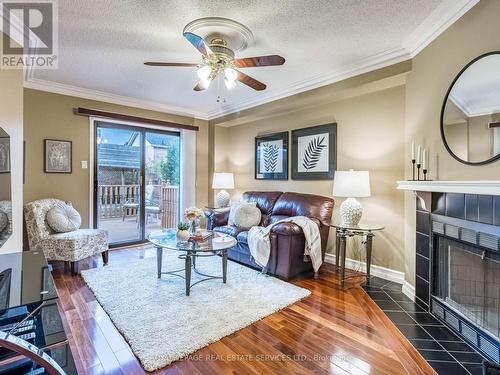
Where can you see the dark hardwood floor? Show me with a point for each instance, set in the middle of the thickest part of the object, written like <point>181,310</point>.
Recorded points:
<point>330,332</point>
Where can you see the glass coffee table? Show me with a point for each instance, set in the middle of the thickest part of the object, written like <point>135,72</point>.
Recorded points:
<point>216,245</point>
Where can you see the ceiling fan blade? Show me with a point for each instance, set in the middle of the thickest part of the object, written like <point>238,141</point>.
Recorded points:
<point>198,43</point>
<point>251,82</point>
<point>152,63</point>
<point>249,62</point>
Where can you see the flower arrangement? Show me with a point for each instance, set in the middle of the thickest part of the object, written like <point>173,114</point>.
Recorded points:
<point>193,213</point>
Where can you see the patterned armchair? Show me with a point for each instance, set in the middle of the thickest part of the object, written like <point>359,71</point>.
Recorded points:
<point>6,208</point>
<point>70,246</point>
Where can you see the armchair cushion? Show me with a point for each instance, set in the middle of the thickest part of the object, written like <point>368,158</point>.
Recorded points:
<point>63,218</point>
<point>75,245</point>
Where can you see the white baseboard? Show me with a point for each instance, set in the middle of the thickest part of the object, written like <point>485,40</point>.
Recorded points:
<point>408,290</point>
<point>382,272</point>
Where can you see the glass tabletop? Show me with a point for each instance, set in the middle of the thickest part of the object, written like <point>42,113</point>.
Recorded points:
<point>360,226</point>
<point>167,238</point>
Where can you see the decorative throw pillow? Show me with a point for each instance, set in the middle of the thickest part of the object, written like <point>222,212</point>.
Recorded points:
<point>4,221</point>
<point>247,216</point>
<point>63,218</point>
<point>234,207</point>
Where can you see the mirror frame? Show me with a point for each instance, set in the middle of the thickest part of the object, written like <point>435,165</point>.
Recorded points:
<point>488,161</point>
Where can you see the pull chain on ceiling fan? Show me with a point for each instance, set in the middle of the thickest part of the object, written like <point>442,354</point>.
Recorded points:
<point>218,58</point>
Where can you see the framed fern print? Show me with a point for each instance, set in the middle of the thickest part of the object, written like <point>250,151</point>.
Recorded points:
<point>314,152</point>
<point>271,156</point>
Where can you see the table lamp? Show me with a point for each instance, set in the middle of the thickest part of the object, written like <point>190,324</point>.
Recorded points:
<point>222,181</point>
<point>351,185</point>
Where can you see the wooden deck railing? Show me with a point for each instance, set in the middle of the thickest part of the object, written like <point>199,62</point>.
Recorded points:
<point>119,201</point>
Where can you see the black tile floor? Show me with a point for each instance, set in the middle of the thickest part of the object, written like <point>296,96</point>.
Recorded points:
<point>446,352</point>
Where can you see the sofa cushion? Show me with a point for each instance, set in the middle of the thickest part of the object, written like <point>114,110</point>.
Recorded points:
<point>298,204</point>
<point>247,216</point>
<point>228,229</point>
<point>63,218</point>
<point>243,237</point>
<point>265,200</point>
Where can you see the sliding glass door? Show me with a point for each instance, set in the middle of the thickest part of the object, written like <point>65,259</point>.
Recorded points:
<point>136,181</point>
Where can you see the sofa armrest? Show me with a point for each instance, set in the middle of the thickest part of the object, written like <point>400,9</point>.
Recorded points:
<point>216,218</point>
<point>287,229</point>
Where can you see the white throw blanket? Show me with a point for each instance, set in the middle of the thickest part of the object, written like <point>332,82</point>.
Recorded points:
<point>260,245</point>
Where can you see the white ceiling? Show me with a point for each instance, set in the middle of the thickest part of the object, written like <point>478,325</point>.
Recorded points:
<point>477,91</point>
<point>103,44</point>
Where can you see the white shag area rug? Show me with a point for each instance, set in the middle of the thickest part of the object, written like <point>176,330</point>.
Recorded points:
<point>162,325</point>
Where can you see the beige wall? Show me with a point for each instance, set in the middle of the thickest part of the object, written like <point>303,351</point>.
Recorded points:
<point>11,120</point>
<point>457,137</point>
<point>370,137</point>
<point>48,115</point>
<point>433,71</point>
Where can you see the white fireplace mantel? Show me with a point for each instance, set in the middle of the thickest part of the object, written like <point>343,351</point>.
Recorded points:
<point>468,187</point>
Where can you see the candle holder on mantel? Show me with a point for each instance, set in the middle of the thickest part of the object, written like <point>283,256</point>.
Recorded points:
<point>418,171</point>
<point>425,174</point>
<point>413,169</point>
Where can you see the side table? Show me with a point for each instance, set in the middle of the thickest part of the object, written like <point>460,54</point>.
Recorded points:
<point>342,232</point>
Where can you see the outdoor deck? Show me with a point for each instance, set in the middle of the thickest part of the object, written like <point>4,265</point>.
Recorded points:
<point>119,206</point>
<point>127,230</point>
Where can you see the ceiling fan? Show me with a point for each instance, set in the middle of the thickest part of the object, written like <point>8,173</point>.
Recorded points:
<point>219,59</point>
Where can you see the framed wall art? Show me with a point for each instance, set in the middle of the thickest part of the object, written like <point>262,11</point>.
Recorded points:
<point>57,156</point>
<point>314,152</point>
<point>271,156</point>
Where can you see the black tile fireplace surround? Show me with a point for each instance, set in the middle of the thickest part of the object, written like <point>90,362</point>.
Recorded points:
<point>458,265</point>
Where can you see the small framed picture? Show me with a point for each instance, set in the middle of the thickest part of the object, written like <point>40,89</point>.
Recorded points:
<point>4,154</point>
<point>58,156</point>
<point>314,152</point>
<point>271,156</point>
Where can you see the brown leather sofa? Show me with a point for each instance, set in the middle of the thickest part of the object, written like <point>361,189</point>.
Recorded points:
<point>287,239</point>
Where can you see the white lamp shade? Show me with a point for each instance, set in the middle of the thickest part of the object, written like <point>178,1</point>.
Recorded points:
<point>223,181</point>
<point>351,184</point>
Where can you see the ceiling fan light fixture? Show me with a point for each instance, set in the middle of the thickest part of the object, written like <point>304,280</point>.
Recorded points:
<point>204,83</point>
<point>229,84</point>
<point>230,74</point>
<point>204,73</point>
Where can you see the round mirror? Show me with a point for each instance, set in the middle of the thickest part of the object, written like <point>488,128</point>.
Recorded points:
<point>470,118</point>
<point>5,190</point>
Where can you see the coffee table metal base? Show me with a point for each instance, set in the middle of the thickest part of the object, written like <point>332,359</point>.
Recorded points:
<point>190,265</point>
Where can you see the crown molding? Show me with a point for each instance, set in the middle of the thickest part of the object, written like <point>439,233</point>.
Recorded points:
<point>471,111</point>
<point>84,93</point>
<point>378,61</point>
<point>446,14</point>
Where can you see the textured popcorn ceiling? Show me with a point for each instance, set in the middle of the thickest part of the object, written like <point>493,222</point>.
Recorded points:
<point>103,44</point>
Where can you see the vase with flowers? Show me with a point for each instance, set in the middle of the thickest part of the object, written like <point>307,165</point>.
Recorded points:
<point>193,214</point>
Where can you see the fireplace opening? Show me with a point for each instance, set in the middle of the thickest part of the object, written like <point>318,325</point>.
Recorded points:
<point>467,280</point>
